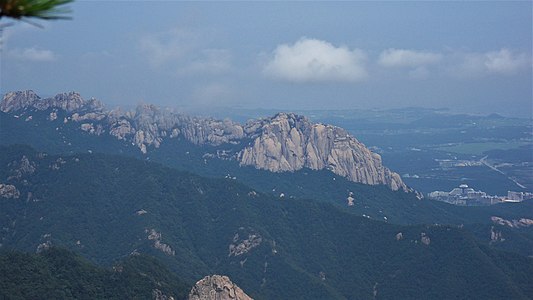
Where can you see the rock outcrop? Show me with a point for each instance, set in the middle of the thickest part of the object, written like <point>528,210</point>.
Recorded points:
<point>242,246</point>
<point>156,237</point>
<point>285,142</point>
<point>424,239</point>
<point>288,142</point>
<point>69,102</point>
<point>9,191</point>
<point>159,295</point>
<point>21,168</point>
<point>522,222</point>
<point>15,101</point>
<point>217,287</point>
<point>495,236</point>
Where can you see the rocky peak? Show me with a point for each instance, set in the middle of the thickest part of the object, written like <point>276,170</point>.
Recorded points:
<point>279,121</point>
<point>69,102</point>
<point>217,287</point>
<point>288,142</point>
<point>146,113</point>
<point>19,100</point>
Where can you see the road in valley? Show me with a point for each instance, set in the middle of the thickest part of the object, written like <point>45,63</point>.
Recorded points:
<point>484,161</point>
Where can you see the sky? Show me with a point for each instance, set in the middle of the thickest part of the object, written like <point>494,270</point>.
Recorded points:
<point>469,56</point>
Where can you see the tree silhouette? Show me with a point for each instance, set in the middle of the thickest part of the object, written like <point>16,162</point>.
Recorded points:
<point>38,9</point>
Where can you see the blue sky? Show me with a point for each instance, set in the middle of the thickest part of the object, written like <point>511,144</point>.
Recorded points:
<point>474,57</point>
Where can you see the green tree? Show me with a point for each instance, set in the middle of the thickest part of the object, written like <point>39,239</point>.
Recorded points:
<point>38,9</point>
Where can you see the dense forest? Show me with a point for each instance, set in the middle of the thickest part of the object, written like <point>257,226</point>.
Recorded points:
<point>108,207</point>
<point>60,274</point>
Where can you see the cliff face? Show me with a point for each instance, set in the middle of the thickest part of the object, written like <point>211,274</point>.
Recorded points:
<point>285,142</point>
<point>217,287</point>
<point>288,142</point>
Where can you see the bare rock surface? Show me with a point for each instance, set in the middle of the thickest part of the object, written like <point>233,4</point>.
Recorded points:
<point>156,237</point>
<point>424,239</point>
<point>71,101</point>
<point>522,222</point>
<point>159,295</point>
<point>242,246</point>
<point>217,287</point>
<point>288,142</point>
<point>9,191</point>
<point>495,235</point>
<point>21,168</point>
<point>15,101</point>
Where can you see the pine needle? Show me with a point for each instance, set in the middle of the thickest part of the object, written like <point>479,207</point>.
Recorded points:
<point>40,9</point>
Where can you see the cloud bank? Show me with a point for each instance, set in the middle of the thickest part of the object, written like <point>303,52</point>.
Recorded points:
<point>312,60</point>
<point>407,58</point>
<point>458,64</point>
<point>503,62</point>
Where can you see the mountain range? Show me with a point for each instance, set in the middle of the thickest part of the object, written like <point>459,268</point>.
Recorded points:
<point>284,142</point>
<point>249,201</point>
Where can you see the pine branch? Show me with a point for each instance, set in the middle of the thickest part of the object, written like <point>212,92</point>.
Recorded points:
<point>40,9</point>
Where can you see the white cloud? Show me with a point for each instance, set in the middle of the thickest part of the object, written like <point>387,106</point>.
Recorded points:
<point>505,62</point>
<point>316,60</point>
<point>32,54</point>
<point>502,62</point>
<point>407,58</point>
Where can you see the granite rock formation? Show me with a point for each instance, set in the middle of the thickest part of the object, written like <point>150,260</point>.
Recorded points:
<point>217,287</point>
<point>288,142</point>
<point>69,102</point>
<point>9,191</point>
